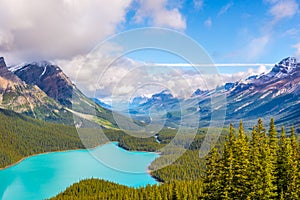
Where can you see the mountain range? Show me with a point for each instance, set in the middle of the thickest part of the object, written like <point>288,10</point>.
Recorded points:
<point>42,90</point>
<point>273,94</point>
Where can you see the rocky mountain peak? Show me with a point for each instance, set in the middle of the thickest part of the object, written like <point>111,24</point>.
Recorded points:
<point>6,74</point>
<point>289,62</point>
<point>2,62</point>
<point>284,67</point>
<point>49,78</point>
<point>199,92</point>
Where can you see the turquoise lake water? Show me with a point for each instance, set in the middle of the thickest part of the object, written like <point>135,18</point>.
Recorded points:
<point>45,175</point>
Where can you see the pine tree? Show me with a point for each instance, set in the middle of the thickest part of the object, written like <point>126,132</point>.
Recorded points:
<point>263,168</point>
<point>273,141</point>
<point>212,181</point>
<point>227,166</point>
<point>271,159</point>
<point>268,181</point>
<point>292,170</point>
<point>241,165</point>
<point>255,166</point>
<point>282,164</point>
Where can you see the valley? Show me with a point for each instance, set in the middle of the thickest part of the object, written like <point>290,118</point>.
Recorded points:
<point>57,121</point>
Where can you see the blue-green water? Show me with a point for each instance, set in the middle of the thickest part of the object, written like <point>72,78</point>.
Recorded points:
<point>45,175</point>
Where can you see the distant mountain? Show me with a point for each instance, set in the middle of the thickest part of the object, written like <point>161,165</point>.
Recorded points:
<point>101,103</point>
<point>275,94</point>
<point>158,102</point>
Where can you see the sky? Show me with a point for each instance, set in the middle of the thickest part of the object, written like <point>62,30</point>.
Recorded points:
<point>233,32</point>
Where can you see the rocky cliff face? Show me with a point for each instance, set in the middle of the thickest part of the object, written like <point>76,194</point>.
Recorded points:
<point>49,78</point>
<point>21,97</point>
<point>43,91</point>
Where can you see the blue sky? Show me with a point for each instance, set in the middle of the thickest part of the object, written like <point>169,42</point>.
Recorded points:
<point>233,32</point>
<point>241,31</point>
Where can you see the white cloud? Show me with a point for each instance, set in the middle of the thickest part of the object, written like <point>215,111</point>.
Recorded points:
<point>6,40</point>
<point>279,10</point>
<point>225,8</point>
<point>208,22</point>
<point>198,4</point>
<point>283,9</point>
<point>123,79</point>
<point>158,14</point>
<point>256,47</point>
<point>48,29</point>
<point>297,53</point>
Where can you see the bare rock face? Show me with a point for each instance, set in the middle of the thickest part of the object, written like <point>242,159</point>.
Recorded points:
<point>49,78</point>
<point>52,80</point>
<point>2,62</point>
<point>21,97</point>
<point>43,91</point>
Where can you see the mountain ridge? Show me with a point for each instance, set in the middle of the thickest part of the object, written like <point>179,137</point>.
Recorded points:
<point>273,94</point>
<point>51,94</point>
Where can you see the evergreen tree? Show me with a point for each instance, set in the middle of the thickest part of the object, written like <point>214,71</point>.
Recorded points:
<point>283,166</point>
<point>273,141</point>
<point>292,169</point>
<point>227,166</point>
<point>268,179</point>
<point>241,165</point>
<point>212,181</point>
<point>255,170</point>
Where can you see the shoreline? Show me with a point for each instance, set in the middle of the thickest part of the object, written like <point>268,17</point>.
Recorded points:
<point>148,171</point>
<point>44,153</point>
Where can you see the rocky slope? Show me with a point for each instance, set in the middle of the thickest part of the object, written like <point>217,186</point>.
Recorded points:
<point>21,97</point>
<point>43,91</point>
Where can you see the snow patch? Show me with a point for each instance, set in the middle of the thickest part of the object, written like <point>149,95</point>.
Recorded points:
<point>266,94</point>
<point>239,108</point>
<point>45,69</point>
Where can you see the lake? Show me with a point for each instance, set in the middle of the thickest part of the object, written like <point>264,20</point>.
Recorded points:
<point>45,175</point>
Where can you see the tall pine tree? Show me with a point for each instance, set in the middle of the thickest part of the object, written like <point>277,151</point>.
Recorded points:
<point>212,183</point>
<point>227,166</point>
<point>241,165</point>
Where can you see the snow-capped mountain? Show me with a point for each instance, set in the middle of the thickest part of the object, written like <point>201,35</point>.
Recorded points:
<point>274,94</point>
<point>160,101</point>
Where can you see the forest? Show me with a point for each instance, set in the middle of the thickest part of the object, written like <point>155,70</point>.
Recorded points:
<point>244,164</point>
<point>260,164</point>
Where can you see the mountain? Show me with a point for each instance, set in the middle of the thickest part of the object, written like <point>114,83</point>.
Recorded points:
<point>274,94</point>
<point>101,103</point>
<point>26,98</point>
<point>199,92</point>
<point>161,101</point>
<point>47,77</point>
<point>51,79</point>
<point>41,90</point>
